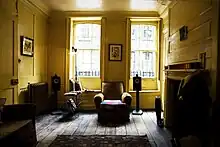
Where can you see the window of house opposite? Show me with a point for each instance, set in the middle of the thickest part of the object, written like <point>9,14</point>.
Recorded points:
<point>143,50</point>
<point>87,41</point>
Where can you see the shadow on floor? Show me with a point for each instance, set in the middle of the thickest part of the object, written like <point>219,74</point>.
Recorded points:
<point>65,116</point>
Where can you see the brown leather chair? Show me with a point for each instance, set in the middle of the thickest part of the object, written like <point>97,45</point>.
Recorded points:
<point>113,91</point>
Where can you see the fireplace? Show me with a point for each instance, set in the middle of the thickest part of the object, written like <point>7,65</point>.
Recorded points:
<point>173,76</point>
<point>187,105</point>
<point>172,91</point>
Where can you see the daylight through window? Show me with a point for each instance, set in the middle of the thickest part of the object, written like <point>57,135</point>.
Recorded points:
<point>143,50</point>
<point>87,42</point>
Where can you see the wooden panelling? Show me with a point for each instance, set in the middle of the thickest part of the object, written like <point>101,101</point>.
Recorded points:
<point>200,33</point>
<point>114,32</point>
<point>41,45</point>
<point>57,48</point>
<point>185,11</point>
<point>8,49</point>
<point>191,52</point>
<point>198,17</point>
<point>25,28</point>
<point>147,99</point>
<point>8,94</point>
<point>147,84</point>
<point>33,24</point>
<point>91,83</point>
<point>88,100</point>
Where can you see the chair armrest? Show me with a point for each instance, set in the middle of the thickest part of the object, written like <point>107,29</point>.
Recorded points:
<point>19,112</point>
<point>98,98</point>
<point>99,95</point>
<point>126,98</point>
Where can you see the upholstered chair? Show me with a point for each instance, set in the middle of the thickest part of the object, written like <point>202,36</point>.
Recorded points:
<point>112,91</point>
<point>113,103</point>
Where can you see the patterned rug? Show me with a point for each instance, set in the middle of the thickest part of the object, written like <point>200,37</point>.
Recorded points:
<point>100,141</point>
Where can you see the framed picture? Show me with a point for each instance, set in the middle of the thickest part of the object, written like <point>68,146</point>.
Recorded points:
<point>115,52</point>
<point>27,46</point>
<point>183,33</point>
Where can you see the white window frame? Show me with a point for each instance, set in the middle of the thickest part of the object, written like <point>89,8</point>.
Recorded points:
<point>154,23</point>
<point>74,37</point>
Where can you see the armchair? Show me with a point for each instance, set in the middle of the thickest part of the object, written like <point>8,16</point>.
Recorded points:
<point>112,91</point>
<point>118,103</point>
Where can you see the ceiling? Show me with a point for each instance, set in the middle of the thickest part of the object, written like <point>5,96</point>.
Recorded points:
<point>103,5</point>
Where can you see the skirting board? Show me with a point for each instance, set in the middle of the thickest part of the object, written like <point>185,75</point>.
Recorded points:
<point>94,110</point>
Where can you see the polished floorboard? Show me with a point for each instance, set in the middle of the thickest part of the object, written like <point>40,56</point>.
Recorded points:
<point>49,126</point>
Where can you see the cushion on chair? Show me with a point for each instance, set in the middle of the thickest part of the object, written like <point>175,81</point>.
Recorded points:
<point>112,90</point>
<point>112,102</point>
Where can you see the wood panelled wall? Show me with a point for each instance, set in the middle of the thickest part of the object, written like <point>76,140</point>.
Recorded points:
<point>114,32</point>
<point>201,19</point>
<point>32,23</point>
<point>19,17</point>
<point>8,50</point>
<point>198,17</point>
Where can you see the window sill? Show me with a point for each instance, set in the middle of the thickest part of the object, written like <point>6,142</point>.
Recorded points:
<point>145,91</point>
<point>152,78</point>
<point>84,77</point>
<point>143,78</point>
<point>95,91</point>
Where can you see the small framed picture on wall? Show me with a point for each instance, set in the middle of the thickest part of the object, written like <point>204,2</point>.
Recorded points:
<point>27,46</point>
<point>115,52</point>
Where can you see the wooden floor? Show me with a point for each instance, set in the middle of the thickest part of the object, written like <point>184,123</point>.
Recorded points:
<point>49,126</point>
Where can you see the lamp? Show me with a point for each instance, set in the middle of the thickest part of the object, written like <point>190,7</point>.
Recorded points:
<point>75,51</point>
<point>76,83</point>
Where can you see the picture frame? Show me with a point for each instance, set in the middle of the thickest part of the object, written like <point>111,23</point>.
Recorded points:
<point>115,52</point>
<point>183,33</point>
<point>27,46</point>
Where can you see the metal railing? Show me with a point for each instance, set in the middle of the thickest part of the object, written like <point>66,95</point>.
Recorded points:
<point>143,74</point>
<point>88,73</point>
<point>133,74</point>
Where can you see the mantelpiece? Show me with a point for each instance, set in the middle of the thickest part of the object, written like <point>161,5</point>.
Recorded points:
<point>173,76</point>
<point>179,71</point>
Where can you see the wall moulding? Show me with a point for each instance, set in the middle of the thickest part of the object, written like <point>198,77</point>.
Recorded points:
<point>37,4</point>
<point>119,14</point>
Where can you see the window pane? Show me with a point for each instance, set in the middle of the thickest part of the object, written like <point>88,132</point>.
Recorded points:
<point>143,37</point>
<point>143,63</point>
<point>87,41</point>
<point>87,36</point>
<point>143,56</point>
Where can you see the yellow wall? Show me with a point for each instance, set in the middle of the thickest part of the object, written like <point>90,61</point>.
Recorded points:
<point>91,83</point>
<point>146,99</point>
<point>8,50</point>
<point>32,23</point>
<point>201,19</point>
<point>19,17</point>
<point>164,36</point>
<point>114,32</point>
